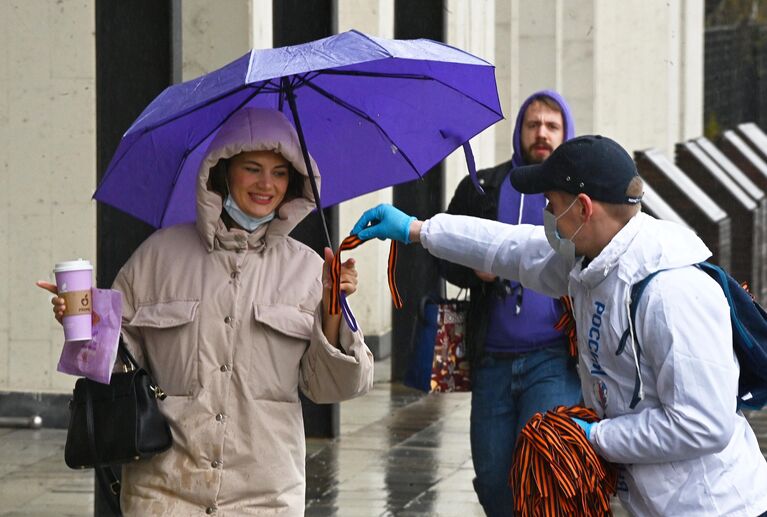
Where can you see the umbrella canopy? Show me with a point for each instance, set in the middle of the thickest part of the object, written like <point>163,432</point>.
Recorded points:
<point>373,113</point>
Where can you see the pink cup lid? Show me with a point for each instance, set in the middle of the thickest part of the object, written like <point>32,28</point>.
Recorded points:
<point>73,265</point>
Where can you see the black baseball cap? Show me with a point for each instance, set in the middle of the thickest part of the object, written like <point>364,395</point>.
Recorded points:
<point>592,164</point>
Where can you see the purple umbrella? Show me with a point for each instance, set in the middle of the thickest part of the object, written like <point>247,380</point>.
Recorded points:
<point>373,113</point>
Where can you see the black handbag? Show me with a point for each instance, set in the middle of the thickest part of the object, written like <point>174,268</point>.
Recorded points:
<point>115,423</point>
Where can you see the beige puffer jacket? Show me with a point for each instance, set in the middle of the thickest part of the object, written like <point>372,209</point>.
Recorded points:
<point>229,323</point>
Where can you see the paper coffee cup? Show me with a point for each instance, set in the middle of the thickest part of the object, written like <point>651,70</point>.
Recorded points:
<point>74,282</point>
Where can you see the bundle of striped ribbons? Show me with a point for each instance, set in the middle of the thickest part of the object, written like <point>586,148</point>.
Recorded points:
<point>556,471</point>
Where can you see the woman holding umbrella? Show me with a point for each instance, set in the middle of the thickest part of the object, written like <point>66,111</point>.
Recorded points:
<point>231,316</point>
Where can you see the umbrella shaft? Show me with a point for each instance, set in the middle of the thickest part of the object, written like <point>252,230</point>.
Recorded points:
<point>292,103</point>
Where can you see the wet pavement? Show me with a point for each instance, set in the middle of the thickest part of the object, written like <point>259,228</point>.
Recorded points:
<point>400,454</point>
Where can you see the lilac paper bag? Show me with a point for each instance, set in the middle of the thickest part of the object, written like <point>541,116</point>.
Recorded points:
<point>95,359</point>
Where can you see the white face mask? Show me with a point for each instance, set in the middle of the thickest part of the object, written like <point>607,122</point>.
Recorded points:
<point>248,222</point>
<point>562,246</point>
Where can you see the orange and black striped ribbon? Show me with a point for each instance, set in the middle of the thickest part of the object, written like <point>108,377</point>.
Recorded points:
<point>556,471</point>
<point>350,243</point>
<point>566,325</point>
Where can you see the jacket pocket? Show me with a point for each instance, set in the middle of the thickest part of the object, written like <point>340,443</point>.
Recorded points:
<point>163,315</point>
<point>286,319</point>
<point>170,343</point>
<point>282,334</point>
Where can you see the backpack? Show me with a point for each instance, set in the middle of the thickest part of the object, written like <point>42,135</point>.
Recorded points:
<point>749,336</point>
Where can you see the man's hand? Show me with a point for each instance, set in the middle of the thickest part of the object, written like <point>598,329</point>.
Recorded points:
<point>484,276</point>
<point>384,222</point>
<point>586,426</point>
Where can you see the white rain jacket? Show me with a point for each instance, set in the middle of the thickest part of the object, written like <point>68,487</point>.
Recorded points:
<point>685,449</point>
<point>229,323</point>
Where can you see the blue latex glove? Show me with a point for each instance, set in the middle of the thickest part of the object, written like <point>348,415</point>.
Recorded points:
<point>384,222</point>
<point>586,426</point>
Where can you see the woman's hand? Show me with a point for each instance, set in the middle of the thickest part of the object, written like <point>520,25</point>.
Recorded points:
<point>348,277</point>
<point>59,305</point>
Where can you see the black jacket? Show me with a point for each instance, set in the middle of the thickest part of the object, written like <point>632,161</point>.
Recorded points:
<point>467,201</point>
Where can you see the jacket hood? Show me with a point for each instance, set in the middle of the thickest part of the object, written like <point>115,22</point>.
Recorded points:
<point>252,129</point>
<point>643,246</point>
<point>518,158</point>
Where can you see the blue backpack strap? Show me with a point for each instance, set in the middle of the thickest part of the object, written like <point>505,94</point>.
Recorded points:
<point>749,338</point>
<point>636,294</point>
<point>723,279</point>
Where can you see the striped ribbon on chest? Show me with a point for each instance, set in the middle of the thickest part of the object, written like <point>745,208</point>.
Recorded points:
<point>566,325</point>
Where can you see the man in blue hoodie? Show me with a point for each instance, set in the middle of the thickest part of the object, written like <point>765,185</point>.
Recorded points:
<point>520,363</point>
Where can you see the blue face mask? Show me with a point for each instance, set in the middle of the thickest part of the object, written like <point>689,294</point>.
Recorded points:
<point>564,247</point>
<point>248,222</point>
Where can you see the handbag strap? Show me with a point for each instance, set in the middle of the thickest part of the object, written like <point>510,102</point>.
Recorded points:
<point>109,483</point>
<point>125,356</point>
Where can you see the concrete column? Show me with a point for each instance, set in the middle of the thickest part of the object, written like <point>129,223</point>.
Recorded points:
<point>47,176</point>
<point>421,198</point>
<point>674,71</point>
<point>578,69</point>
<point>470,27</point>
<point>645,67</point>
<point>506,67</point>
<point>691,56</point>
<point>261,35</point>
<point>214,34</point>
<point>372,304</point>
<point>540,45</point>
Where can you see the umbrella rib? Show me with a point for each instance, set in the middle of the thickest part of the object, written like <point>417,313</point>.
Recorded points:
<point>365,116</point>
<point>363,73</point>
<point>296,82</point>
<point>359,73</point>
<point>196,107</point>
<point>146,129</point>
<point>374,42</point>
<point>189,150</point>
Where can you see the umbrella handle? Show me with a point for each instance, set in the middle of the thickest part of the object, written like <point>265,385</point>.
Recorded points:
<point>348,315</point>
<point>472,167</point>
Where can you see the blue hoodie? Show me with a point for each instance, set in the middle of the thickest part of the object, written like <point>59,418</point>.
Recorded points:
<point>533,326</point>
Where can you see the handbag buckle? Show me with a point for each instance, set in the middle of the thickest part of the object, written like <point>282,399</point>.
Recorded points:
<point>128,367</point>
<point>158,392</point>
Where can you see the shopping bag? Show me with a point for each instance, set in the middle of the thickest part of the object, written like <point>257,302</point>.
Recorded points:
<point>450,367</point>
<point>438,361</point>
<point>95,358</point>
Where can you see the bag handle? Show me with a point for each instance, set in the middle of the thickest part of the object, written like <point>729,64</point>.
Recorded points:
<point>109,483</point>
<point>125,356</point>
<point>131,364</point>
